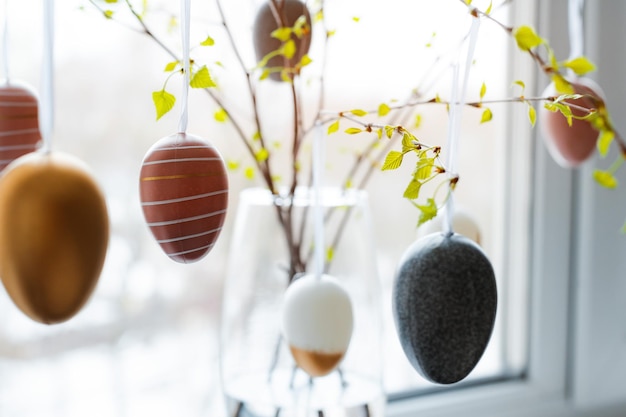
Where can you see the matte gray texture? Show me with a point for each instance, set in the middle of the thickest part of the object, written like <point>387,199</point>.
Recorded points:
<point>444,306</point>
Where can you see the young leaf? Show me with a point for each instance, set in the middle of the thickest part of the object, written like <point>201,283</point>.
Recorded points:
<point>305,60</point>
<point>605,179</point>
<point>532,115</point>
<point>487,116</point>
<point>562,85</point>
<point>383,109</point>
<point>580,65</point>
<point>282,34</point>
<point>256,136</point>
<point>262,155</point>
<point>526,38</point>
<point>209,41</point>
<point>521,84</point>
<point>330,254</point>
<point>108,14</point>
<point>488,11</point>
<point>424,168</point>
<point>483,91</point>
<point>389,131</point>
<point>249,173</point>
<point>265,74</point>
<point>358,112</point>
<point>418,121</point>
<point>171,66</point>
<point>288,49</point>
<point>334,126</point>
<point>356,19</point>
<point>427,212</point>
<point>412,190</point>
<point>110,1</point>
<point>604,142</point>
<point>232,165</point>
<point>319,16</point>
<point>202,79</point>
<point>393,160</point>
<point>407,142</point>
<point>163,102</point>
<point>353,130</point>
<point>221,115</point>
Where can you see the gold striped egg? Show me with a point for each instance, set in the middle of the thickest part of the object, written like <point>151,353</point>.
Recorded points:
<point>54,232</point>
<point>184,195</point>
<point>19,122</point>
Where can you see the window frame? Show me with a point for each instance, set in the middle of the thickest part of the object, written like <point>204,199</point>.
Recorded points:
<point>558,315</point>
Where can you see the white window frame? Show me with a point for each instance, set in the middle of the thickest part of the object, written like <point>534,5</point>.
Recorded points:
<point>567,374</point>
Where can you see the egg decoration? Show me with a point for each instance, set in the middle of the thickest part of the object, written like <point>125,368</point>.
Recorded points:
<point>184,195</point>
<point>317,322</point>
<point>19,122</point>
<point>54,232</point>
<point>266,22</point>
<point>570,146</point>
<point>463,222</point>
<point>444,306</point>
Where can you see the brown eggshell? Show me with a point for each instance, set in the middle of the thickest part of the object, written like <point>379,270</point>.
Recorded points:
<point>54,234</point>
<point>266,22</point>
<point>19,122</point>
<point>184,195</point>
<point>570,146</point>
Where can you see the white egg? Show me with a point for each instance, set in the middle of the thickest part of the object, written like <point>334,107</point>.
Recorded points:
<point>463,223</point>
<point>317,322</point>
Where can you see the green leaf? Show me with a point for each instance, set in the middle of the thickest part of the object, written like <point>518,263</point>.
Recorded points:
<point>209,41</point>
<point>163,102</point>
<point>393,160</point>
<point>249,173</point>
<point>605,179</point>
<point>604,141</point>
<point>330,254</point>
<point>256,136</point>
<point>358,112</point>
<point>282,34</point>
<point>532,115</point>
<point>262,155</point>
<point>483,91</point>
<point>171,66</point>
<point>383,109</point>
<point>526,38</point>
<point>110,1</point>
<point>412,190</point>
<point>232,165</point>
<point>305,60</point>
<point>418,121</point>
<point>288,49</point>
<point>407,142</point>
<point>389,131</point>
<point>580,65</point>
<point>333,127</point>
<point>521,84</point>
<point>424,168</point>
<point>488,11</point>
<point>221,115</point>
<point>562,85</point>
<point>356,19</point>
<point>108,14</point>
<point>202,79</point>
<point>427,212</point>
<point>487,116</point>
<point>353,130</point>
<point>265,74</point>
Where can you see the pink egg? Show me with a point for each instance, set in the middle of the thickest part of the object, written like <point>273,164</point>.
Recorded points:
<point>184,195</point>
<point>19,122</point>
<point>570,146</point>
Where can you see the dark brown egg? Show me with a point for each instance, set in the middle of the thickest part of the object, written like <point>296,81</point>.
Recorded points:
<point>19,122</point>
<point>184,195</point>
<point>570,146</point>
<point>267,20</point>
<point>54,234</point>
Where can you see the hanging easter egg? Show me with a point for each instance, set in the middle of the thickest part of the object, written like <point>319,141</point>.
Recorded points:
<point>19,122</point>
<point>444,306</point>
<point>54,233</point>
<point>317,323</point>
<point>266,22</point>
<point>462,222</point>
<point>184,195</point>
<point>572,145</point>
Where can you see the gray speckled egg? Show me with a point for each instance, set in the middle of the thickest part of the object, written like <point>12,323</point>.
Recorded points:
<point>444,306</point>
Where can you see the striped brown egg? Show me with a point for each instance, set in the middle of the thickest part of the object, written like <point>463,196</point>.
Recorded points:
<point>184,195</point>
<point>19,122</point>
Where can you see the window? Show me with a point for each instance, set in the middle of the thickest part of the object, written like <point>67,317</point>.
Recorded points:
<point>147,343</point>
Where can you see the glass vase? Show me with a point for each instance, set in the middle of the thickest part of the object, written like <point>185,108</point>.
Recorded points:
<point>272,243</point>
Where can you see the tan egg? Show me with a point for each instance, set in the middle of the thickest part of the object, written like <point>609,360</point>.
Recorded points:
<point>19,122</point>
<point>54,234</point>
<point>463,223</point>
<point>317,323</point>
<point>266,21</point>
<point>570,146</point>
